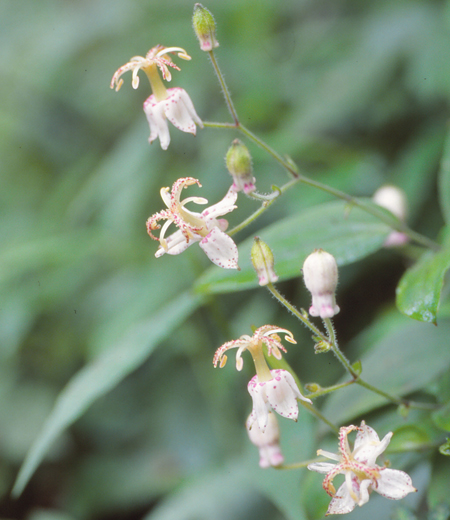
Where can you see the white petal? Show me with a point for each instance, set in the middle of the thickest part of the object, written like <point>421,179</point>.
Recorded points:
<point>157,120</point>
<point>281,397</point>
<point>364,491</point>
<point>180,111</point>
<point>221,208</point>
<point>321,467</point>
<point>368,446</point>
<point>342,503</point>
<point>394,484</point>
<point>176,243</point>
<point>260,411</point>
<point>220,249</point>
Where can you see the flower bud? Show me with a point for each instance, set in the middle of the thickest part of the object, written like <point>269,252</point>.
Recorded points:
<point>262,260</point>
<point>393,199</point>
<point>267,441</point>
<point>321,276</point>
<point>239,164</point>
<point>205,28</point>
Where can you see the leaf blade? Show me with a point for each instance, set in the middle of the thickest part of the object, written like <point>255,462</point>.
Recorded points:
<point>100,376</point>
<point>349,236</point>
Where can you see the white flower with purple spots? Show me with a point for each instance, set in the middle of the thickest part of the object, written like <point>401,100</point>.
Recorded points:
<point>171,104</point>
<point>362,474</point>
<point>267,441</point>
<point>203,227</point>
<point>178,108</point>
<point>279,394</point>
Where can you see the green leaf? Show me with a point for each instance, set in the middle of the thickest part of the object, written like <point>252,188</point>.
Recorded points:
<point>101,376</point>
<point>408,438</point>
<point>347,234</point>
<point>441,418</point>
<point>419,290</point>
<point>444,181</point>
<point>402,362</point>
<point>444,449</point>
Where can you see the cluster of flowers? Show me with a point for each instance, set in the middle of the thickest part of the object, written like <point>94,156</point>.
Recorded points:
<point>272,391</point>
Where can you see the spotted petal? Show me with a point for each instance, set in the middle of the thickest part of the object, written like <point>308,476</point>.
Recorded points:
<point>156,118</point>
<point>223,207</point>
<point>220,249</point>
<point>342,503</point>
<point>394,484</point>
<point>180,110</point>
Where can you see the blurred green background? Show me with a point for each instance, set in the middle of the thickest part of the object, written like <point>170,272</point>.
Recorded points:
<point>357,93</point>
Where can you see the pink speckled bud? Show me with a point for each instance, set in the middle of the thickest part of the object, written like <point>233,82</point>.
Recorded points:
<point>262,260</point>
<point>205,28</point>
<point>239,164</point>
<point>320,274</point>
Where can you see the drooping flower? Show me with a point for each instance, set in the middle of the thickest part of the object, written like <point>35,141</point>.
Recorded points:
<point>279,394</point>
<point>270,389</point>
<point>173,104</point>
<point>267,441</point>
<point>362,474</point>
<point>320,275</point>
<point>203,227</point>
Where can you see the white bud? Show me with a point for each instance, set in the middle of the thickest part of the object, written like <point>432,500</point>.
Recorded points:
<point>393,199</point>
<point>320,274</point>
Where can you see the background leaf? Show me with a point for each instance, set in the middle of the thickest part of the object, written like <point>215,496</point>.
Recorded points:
<point>444,181</point>
<point>347,234</point>
<point>419,290</point>
<point>101,376</point>
<point>403,361</point>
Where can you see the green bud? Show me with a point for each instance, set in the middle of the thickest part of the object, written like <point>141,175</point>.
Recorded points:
<point>205,28</point>
<point>239,164</point>
<point>262,260</point>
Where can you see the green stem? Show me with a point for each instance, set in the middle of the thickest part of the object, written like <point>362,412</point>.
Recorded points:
<point>319,415</point>
<point>291,168</point>
<point>346,363</point>
<point>302,464</point>
<point>372,209</point>
<point>336,350</point>
<point>329,389</point>
<point>296,312</point>
<point>265,205</point>
<point>224,88</point>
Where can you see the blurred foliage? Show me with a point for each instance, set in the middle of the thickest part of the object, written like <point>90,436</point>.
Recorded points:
<point>358,94</point>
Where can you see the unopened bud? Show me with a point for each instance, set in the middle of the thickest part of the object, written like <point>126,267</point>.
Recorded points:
<point>239,164</point>
<point>267,441</point>
<point>394,199</point>
<point>263,262</point>
<point>205,28</point>
<point>321,276</point>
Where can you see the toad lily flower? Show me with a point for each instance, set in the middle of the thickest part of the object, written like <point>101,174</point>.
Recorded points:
<point>193,227</point>
<point>361,473</point>
<point>173,104</point>
<point>270,389</point>
<point>267,442</point>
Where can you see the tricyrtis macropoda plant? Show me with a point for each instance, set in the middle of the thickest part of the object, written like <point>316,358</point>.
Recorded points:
<point>276,392</point>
